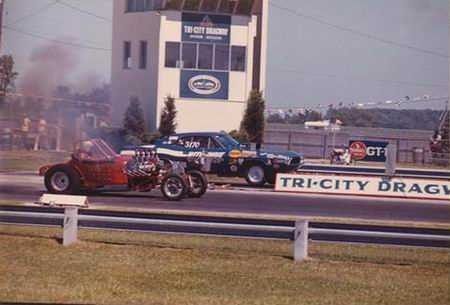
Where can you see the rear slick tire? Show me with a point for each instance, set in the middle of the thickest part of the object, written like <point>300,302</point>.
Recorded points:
<point>62,179</point>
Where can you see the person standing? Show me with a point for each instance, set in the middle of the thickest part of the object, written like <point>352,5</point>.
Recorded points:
<point>25,129</point>
<point>435,142</point>
<point>41,141</point>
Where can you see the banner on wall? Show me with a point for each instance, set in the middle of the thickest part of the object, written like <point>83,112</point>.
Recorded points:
<point>204,84</point>
<point>206,28</point>
<point>374,186</point>
<point>374,151</point>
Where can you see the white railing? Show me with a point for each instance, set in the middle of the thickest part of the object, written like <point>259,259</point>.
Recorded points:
<point>300,231</point>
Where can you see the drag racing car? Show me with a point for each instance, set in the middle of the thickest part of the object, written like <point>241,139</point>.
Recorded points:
<point>94,165</point>
<point>227,157</point>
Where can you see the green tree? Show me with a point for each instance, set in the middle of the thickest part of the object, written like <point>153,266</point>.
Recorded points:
<point>312,115</point>
<point>296,118</point>
<point>7,75</point>
<point>240,136</point>
<point>167,124</point>
<point>253,122</point>
<point>426,119</point>
<point>275,118</point>
<point>134,122</point>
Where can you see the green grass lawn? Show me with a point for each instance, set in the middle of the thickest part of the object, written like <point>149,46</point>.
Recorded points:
<point>24,160</point>
<point>138,268</point>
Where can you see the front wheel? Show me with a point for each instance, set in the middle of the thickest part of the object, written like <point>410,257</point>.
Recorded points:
<point>198,183</point>
<point>255,175</point>
<point>173,187</point>
<point>62,179</point>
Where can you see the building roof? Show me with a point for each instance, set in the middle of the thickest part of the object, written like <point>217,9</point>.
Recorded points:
<point>234,7</point>
<point>202,133</point>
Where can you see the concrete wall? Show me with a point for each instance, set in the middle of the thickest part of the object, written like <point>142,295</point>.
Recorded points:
<point>319,143</point>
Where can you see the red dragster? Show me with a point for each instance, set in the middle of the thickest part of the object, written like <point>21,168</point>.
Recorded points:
<point>95,165</point>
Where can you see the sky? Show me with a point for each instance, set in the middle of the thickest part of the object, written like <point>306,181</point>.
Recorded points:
<point>320,52</point>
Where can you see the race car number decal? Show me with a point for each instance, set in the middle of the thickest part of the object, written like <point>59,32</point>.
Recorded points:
<point>192,144</point>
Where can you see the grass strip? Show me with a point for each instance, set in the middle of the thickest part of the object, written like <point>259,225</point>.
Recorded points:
<point>135,268</point>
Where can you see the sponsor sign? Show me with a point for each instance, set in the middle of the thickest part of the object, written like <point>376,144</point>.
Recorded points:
<point>204,84</point>
<point>368,150</point>
<point>206,28</point>
<point>375,186</point>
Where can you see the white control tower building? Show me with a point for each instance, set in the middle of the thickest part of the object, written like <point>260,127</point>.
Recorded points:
<point>207,54</point>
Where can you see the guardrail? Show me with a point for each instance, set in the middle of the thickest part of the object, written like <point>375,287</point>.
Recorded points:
<point>298,231</point>
<point>375,171</point>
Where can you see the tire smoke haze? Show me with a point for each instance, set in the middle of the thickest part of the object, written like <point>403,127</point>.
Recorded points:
<point>53,65</point>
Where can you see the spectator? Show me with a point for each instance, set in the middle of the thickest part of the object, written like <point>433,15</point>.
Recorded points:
<point>435,142</point>
<point>347,156</point>
<point>438,137</point>
<point>25,129</point>
<point>41,141</point>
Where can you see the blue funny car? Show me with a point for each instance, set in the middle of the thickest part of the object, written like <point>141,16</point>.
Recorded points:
<point>227,157</point>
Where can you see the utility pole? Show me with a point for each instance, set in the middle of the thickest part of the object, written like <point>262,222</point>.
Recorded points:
<point>2,3</point>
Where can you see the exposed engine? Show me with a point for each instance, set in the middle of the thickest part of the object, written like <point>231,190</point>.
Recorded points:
<point>145,163</point>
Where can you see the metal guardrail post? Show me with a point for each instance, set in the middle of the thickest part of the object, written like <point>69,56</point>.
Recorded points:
<point>325,146</point>
<point>397,153</point>
<point>58,138</point>
<point>391,160</point>
<point>300,240</point>
<point>70,226</point>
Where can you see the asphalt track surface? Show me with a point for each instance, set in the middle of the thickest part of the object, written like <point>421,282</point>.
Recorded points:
<point>28,188</point>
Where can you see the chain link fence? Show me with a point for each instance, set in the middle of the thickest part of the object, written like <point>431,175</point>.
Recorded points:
<point>413,146</point>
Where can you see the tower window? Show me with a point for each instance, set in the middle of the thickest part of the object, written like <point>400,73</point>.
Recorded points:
<point>143,55</point>
<point>131,6</point>
<point>140,5</point>
<point>189,55</point>
<point>205,56</point>
<point>222,57</point>
<point>172,54</point>
<point>238,58</point>
<point>127,61</point>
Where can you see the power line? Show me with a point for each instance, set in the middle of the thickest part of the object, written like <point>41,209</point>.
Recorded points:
<point>83,11</point>
<point>76,45</point>
<point>359,33</point>
<point>399,82</point>
<point>35,13</point>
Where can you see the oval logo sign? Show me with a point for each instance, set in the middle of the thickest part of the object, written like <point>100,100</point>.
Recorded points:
<point>204,84</point>
<point>358,150</point>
